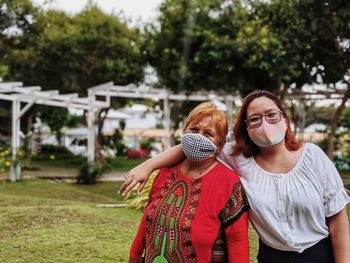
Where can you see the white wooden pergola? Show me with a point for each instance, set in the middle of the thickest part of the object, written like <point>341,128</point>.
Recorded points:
<point>166,96</point>
<point>17,94</point>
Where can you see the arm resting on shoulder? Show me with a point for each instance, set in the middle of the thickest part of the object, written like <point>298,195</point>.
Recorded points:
<point>237,240</point>
<point>340,235</point>
<point>141,173</point>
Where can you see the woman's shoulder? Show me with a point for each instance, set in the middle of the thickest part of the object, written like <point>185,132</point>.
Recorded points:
<point>233,162</point>
<point>225,175</point>
<point>312,147</point>
<point>313,160</point>
<point>314,152</point>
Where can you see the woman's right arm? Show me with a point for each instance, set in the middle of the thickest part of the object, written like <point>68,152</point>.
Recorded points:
<point>141,173</point>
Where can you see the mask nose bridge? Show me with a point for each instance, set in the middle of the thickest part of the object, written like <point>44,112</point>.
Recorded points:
<point>267,130</point>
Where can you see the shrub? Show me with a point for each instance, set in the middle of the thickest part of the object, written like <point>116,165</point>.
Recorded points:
<point>6,159</point>
<point>89,172</point>
<point>341,162</point>
<point>137,154</point>
<point>49,148</point>
<point>147,144</point>
<point>53,152</point>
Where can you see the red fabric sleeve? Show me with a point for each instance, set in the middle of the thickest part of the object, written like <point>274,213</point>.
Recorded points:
<point>237,240</point>
<point>138,245</point>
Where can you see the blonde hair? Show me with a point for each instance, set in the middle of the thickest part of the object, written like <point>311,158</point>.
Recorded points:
<point>218,118</point>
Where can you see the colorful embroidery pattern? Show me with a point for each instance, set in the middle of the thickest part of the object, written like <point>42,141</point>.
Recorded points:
<point>219,249</point>
<point>235,207</point>
<point>169,219</point>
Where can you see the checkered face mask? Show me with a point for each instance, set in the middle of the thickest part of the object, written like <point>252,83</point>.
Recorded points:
<point>197,147</point>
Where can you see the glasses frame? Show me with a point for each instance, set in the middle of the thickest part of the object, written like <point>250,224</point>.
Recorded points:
<point>261,119</point>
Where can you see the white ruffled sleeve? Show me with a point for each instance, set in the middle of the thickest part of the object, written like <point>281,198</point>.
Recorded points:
<point>335,197</point>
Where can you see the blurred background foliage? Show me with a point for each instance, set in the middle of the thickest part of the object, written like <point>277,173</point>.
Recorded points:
<point>227,46</point>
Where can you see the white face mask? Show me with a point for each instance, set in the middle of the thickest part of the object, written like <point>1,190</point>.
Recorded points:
<point>197,147</point>
<point>268,134</point>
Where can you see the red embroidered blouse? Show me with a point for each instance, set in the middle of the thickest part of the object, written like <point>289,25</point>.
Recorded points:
<point>186,220</point>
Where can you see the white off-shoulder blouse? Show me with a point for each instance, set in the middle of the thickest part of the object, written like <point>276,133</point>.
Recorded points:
<point>289,210</point>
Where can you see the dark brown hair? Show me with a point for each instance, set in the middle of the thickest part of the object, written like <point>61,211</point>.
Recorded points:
<point>243,143</point>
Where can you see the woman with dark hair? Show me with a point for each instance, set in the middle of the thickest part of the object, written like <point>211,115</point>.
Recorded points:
<point>296,196</point>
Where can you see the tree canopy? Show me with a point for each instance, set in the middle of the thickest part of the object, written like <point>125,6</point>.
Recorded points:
<point>243,45</point>
<point>72,53</point>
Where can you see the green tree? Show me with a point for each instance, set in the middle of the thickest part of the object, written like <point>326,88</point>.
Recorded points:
<point>345,119</point>
<point>188,47</point>
<point>56,119</point>
<point>214,44</point>
<point>71,53</point>
<point>319,114</point>
<point>75,53</point>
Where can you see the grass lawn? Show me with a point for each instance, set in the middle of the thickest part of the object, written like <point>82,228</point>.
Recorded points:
<point>49,222</point>
<point>43,221</point>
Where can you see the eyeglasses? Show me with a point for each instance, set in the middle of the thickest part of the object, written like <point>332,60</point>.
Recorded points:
<point>270,117</point>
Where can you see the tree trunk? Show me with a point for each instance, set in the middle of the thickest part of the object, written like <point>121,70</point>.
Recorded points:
<point>98,143</point>
<point>284,90</point>
<point>294,118</point>
<point>334,124</point>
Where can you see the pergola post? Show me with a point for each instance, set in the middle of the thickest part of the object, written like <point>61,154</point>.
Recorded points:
<point>91,128</point>
<point>15,169</point>
<point>91,116</point>
<point>91,135</point>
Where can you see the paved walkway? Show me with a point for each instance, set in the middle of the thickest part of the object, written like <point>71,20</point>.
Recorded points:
<point>71,173</point>
<point>113,177</point>
<point>65,174</point>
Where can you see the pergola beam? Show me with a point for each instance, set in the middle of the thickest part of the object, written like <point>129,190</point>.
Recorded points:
<point>160,95</point>
<point>102,87</point>
<point>22,90</point>
<point>131,91</point>
<point>11,84</point>
<point>48,102</point>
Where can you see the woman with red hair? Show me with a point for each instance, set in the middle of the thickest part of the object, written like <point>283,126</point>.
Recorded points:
<point>296,196</point>
<point>197,209</point>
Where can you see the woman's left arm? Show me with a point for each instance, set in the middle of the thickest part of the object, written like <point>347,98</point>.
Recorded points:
<point>340,235</point>
<point>237,240</point>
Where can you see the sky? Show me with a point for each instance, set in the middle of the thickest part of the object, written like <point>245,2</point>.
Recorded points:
<point>144,10</point>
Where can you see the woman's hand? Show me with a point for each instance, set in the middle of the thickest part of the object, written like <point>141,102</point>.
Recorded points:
<point>138,175</point>
<point>141,173</point>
